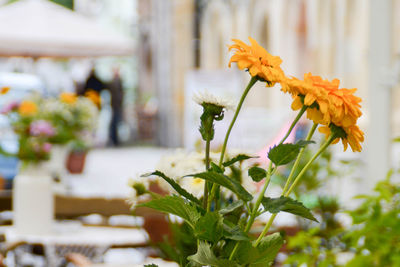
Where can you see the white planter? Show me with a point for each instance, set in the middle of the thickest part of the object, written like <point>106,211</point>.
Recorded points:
<point>33,201</point>
<point>58,158</point>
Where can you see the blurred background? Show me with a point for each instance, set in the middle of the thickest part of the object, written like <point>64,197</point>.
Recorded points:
<point>146,59</point>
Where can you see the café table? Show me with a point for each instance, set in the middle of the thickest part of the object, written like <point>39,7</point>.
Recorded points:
<point>67,237</point>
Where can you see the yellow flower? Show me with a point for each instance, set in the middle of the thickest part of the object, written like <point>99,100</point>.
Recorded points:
<point>327,103</point>
<point>312,92</point>
<point>68,98</point>
<point>27,108</point>
<point>258,61</point>
<point>353,136</point>
<point>4,90</point>
<point>94,97</point>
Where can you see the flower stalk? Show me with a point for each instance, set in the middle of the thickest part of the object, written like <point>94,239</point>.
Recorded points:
<point>270,172</point>
<point>296,181</point>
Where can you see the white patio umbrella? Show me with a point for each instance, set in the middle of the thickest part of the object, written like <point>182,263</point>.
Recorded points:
<point>40,28</point>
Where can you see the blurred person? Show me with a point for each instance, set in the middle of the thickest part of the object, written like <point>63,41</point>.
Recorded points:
<point>93,83</point>
<point>117,97</point>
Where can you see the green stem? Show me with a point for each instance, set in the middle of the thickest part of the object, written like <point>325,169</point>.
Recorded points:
<point>296,181</point>
<point>221,159</point>
<point>302,110</point>
<point>305,168</point>
<point>246,91</point>
<point>297,162</point>
<point>205,195</point>
<point>270,172</point>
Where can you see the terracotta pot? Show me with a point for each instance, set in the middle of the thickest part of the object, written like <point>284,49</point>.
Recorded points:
<point>76,161</point>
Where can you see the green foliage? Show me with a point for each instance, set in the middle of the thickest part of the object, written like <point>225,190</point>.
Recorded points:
<point>257,173</point>
<point>183,245</point>
<point>224,181</point>
<point>372,240</point>
<point>231,207</point>
<point>205,256</point>
<point>238,158</point>
<point>177,206</point>
<point>150,265</point>
<point>285,153</point>
<point>209,227</point>
<point>262,255</point>
<point>175,186</point>
<point>275,205</point>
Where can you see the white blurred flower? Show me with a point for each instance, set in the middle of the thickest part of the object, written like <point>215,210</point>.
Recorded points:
<point>207,98</point>
<point>193,185</point>
<point>134,184</point>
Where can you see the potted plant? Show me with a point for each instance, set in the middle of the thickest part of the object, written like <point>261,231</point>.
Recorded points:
<point>224,231</point>
<point>77,157</point>
<point>33,203</point>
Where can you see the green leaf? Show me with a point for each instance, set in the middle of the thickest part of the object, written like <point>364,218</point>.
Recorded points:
<point>304,143</point>
<point>262,255</point>
<point>205,256</point>
<point>275,205</point>
<point>177,206</point>
<point>225,181</point>
<point>239,157</point>
<point>176,186</point>
<point>150,265</point>
<point>231,207</point>
<point>234,232</point>
<point>285,153</point>
<point>216,168</point>
<point>209,227</point>
<point>257,173</point>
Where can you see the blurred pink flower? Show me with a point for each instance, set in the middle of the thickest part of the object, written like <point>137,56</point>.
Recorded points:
<point>9,107</point>
<point>46,147</point>
<point>41,127</point>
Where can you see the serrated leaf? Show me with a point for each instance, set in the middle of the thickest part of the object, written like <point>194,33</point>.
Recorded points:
<point>286,204</point>
<point>225,181</point>
<point>257,173</point>
<point>262,255</point>
<point>285,153</point>
<point>239,157</point>
<point>209,227</point>
<point>234,232</point>
<point>177,206</point>
<point>231,207</point>
<point>175,186</point>
<point>205,256</point>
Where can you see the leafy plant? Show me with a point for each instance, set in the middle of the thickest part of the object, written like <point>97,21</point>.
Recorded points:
<point>372,240</point>
<point>221,216</point>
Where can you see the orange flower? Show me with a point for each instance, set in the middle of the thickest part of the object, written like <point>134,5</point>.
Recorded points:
<point>27,108</point>
<point>69,98</point>
<point>327,103</point>
<point>4,90</point>
<point>352,136</point>
<point>312,94</point>
<point>94,96</point>
<point>258,61</point>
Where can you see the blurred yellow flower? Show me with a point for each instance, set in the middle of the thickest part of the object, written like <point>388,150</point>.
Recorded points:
<point>4,90</point>
<point>94,97</point>
<point>68,98</point>
<point>257,60</point>
<point>27,108</point>
<point>353,137</point>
